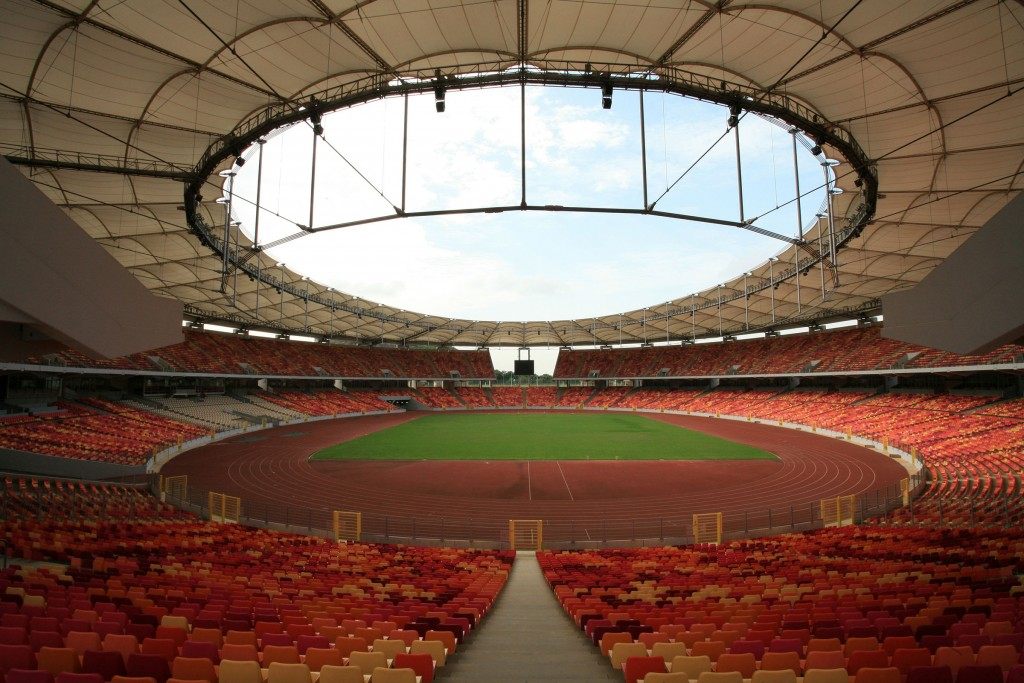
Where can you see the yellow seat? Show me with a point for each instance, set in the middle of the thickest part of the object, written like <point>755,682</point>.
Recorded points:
<point>389,647</point>
<point>367,661</point>
<point>174,621</point>
<point>57,660</point>
<point>691,665</point>
<point>659,677</point>
<point>382,675</point>
<point>777,676</point>
<point>720,677</point>
<point>622,651</point>
<point>232,671</point>
<point>826,676</point>
<point>434,648</point>
<point>340,674</point>
<point>279,672</point>
<point>668,651</point>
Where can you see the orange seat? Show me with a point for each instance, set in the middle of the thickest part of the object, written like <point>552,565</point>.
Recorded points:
<point>744,663</point>
<point>346,645</point>
<point>57,660</point>
<point>163,647</point>
<point>778,661</point>
<point>241,638</point>
<point>317,657</point>
<point>207,635</point>
<point>286,654</point>
<point>825,659</point>
<point>80,641</point>
<point>446,637</point>
<point>239,653</point>
<point>713,649</point>
<point>609,639</point>
<point>881,675</point>
<point>906,659</point>
<point>859,659</point>
<point>824,645</point>
<point>193,669</point>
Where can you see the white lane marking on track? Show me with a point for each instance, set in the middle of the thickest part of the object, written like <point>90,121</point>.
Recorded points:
<point>565,481</point>
<point>529,483</point>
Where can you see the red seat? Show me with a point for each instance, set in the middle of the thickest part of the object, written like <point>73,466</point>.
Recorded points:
<point>106,664</point>
<point>16,657</point>
<point>636,668</point>
<point>973,673</point>
<point>28,676</point>
<point>930,674</point>
<point>149,665</point>
<point>422,664</point>
<point>859,659</point>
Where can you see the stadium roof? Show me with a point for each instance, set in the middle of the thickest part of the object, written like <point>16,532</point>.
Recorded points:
<point>116,107</point>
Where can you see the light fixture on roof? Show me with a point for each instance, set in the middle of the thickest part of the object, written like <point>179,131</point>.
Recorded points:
<point>606,93</point>
<point>836,191</point>
<point>831,162</point>
<point>227,173</point>
<point>439,91</point>
<point>816,150</point>
<point>221,200</point>
<point>239,161</point>
<point>734,115</point>
<point>280,264</point>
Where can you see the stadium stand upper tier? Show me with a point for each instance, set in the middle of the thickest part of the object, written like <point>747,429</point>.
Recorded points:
<point>227,354</point>
<point>845,350</point>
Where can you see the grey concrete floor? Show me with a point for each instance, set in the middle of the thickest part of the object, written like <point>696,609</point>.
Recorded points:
<point>527,638</point>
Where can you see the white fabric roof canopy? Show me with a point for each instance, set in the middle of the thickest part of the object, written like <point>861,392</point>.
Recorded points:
<point>928,89</point>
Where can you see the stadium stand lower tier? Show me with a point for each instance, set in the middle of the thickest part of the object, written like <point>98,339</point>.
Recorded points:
<point>839,599</point>
<point>130,431</point>
<point>154,592</point>
<point>844,350</point>
<point>217,353</point>
<point>437,397</point>
<point>329,402</point>
<point>508,397</point>
<point>97,430</point>
<point>973,444</point>
<point>474,397</point>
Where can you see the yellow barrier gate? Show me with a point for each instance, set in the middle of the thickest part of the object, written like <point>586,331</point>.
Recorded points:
<point>526,534</point>
<point>905,490</point>
<point>174,487</point>
<point>224,508</point>
<point>348,526</point>
<point>837,511</point>
<point>707,527</point>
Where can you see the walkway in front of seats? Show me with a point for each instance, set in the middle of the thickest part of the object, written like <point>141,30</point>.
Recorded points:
<point>527,637</point>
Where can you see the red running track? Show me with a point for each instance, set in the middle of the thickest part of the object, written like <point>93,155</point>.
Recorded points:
<point>578,500</point>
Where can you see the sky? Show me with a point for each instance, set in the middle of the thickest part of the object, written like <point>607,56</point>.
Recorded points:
<point>522,265</point>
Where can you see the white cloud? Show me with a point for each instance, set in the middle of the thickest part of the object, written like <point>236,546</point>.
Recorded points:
<point>518,265</point>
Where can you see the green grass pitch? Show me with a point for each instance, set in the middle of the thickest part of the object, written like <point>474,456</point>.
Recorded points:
<point>538,436</point>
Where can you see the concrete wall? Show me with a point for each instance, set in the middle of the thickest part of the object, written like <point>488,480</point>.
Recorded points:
<point>973,301</point>
<point>57,280</point>
<point>49,465</point>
